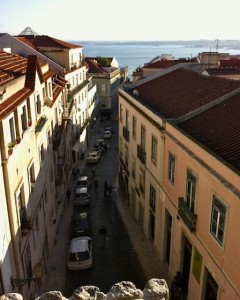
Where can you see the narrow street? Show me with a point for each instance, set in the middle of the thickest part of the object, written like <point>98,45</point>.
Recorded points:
<point>117,260</point>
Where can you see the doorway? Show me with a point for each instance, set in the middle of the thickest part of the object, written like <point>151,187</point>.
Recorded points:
<point>187,255</point>
<point>168,235</point>
<point>211,287</point>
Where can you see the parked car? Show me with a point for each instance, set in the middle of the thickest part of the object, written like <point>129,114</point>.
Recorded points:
<point>109,129</point>
<point>107,134</point>
<point>102,142</point>
<point>97,147</point>
<point>80,253</point>
<point>80,225</point>
<point>93,157</point>
<point>83,181</point>
<point>82,196</point>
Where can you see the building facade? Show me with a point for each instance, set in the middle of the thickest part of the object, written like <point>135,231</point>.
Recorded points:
<point>48,104</point>
<point>180,172</point>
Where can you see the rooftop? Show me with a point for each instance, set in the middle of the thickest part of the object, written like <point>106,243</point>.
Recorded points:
<point>206,108</point>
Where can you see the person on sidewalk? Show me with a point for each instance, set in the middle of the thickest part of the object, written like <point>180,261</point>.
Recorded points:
<point>103,233</point>
<point>68,194</point>
<point>74,173</point>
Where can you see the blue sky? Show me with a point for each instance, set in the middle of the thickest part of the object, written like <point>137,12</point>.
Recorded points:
<point>123,20</point>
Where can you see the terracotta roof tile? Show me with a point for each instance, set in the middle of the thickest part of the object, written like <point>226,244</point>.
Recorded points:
<point>94,67</point>
<point>218,129</point>
<point>45,41</point>
<point>11,66</point>
<point>181,91</point>
<point>25,41</point>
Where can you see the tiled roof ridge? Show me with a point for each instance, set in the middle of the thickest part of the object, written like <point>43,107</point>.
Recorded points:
<point>207,106</point>
<point>64,44</point>
<point>95,67</point>
<point>154,76</point>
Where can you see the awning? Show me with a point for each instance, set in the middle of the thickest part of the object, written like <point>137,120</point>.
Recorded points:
<point>77,147</point>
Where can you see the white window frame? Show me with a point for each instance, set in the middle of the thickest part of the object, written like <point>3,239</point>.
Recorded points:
<point>218,219</point>
<point>171,167</point>
<point>191,187</point>
<point>154,149</point>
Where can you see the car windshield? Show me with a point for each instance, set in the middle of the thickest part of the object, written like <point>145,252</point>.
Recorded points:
<point>81,223</point>
<point>79,256</point>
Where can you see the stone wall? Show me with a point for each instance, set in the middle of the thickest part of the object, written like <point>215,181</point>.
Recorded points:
<point>155,289</point>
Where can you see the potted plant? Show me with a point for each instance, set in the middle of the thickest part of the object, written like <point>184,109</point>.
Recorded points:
<point>10,147</point>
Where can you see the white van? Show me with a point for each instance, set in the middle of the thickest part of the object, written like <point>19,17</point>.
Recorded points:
<point>80,253</point>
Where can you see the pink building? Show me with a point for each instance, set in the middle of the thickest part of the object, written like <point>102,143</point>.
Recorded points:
<point>179,165</point>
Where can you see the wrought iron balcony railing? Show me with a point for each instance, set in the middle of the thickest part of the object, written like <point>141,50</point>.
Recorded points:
<point>141,154</point>
<point>189,218</point>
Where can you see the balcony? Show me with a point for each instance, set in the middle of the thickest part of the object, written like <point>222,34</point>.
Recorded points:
<point>126,133</point>
<point>141,154</point>
<point>41,122</point>
<point>57,137</point>
<point>26,222</point>
<point>186,215</point>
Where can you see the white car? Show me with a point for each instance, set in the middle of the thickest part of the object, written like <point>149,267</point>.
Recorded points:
<point>93,157</point>
<point>107,134</point>
<point>80,254</point>
<point>82,196</point>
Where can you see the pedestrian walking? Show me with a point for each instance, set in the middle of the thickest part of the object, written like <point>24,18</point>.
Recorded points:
<point>96,185</point>
<point>68,194</point>
<point>103,233</point>
<point>74,173</point>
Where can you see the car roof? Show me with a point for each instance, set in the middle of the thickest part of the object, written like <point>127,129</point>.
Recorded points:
<point>81,178</point>
<point>93,153</point>
<point>79,244</point>
<point>81,189</point>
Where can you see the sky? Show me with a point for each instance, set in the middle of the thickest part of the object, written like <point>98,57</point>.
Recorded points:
<point>124,20</point>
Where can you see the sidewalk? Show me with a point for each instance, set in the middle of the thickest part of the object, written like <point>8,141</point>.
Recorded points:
<point>143,247</point>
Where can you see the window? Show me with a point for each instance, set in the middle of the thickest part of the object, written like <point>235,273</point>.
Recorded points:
<point>127,119</point>
<point>103,88</point>
<point>143,137</point>
<point>20,204</point>
<point>190,191</point>
<point>31,177</point>
<point>133,168</point>
<point>121,112</point>
<point>171,168</point>
<point>24,118</point>
<point>142,181</point>
<point>134,127</point>
<point>154,149</point>
<point>38,105</point>
<point>12,130</point>
<point>218,219</point>
<point>126,155</point>
<point>152,198</point>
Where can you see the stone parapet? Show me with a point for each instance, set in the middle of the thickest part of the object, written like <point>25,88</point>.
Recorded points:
<point>155,289</point>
